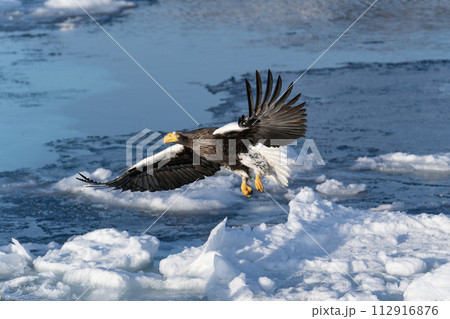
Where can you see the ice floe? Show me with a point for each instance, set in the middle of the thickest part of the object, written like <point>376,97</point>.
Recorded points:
<point>405,266</point>
<point>406,163</point>
<point>70,7</point>
<point>431,286</point>
<point>395,206</point>
<point>105,261</point>
<point>311,256</point>
<point>202,195</point>
<point>337,188</point>
<point>14,260</point>
<point>100,249</point>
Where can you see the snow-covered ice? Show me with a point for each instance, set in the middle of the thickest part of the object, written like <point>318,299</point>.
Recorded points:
<point>395,206</point>
<point>406,163</point>
<point>105,260</point>
<point>70,7</point>
<point>99,249</point>
<point>337,188</point>
<point>14,260</point>
<point>311,256</point>
<point>431,286</point>
<point>405,266</point>
<point>201,195</point>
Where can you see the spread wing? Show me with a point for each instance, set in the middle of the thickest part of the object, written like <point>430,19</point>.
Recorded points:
<point>272,117</point>
<point>149,175</point>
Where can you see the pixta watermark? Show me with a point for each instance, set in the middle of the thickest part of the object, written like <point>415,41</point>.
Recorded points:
<point>144,151</point>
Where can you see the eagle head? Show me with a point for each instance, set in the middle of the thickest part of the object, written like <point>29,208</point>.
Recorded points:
<point>243,121</point>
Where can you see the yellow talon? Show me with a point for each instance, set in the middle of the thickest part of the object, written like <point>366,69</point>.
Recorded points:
<point>258,184</point>
<point>246,190</point>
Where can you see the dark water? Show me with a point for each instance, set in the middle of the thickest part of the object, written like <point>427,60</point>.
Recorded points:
<point>70,98</point>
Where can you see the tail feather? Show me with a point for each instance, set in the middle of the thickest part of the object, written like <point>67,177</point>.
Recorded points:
<point>279,171</point>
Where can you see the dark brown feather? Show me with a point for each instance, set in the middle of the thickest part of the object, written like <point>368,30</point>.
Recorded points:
<point>274,119</point>
<point>179,171</point>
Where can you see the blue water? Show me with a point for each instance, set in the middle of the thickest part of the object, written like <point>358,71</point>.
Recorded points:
<point>67,90</point>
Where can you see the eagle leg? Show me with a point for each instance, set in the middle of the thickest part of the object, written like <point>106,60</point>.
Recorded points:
<point>258,183</point>
<point>246,190</point>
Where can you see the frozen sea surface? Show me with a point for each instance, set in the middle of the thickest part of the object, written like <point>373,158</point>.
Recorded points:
<point>359,136</point>
<point>377,111</point>
<point>91,85</point>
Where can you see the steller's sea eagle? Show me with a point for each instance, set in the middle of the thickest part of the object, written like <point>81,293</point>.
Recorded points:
<point>242,147</point>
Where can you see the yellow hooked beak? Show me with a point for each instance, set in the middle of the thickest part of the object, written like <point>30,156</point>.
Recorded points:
<point>171,138</point>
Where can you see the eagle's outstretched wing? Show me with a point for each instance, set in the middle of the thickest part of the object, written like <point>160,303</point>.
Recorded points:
<point>149,175</point>
<point>272,117</point>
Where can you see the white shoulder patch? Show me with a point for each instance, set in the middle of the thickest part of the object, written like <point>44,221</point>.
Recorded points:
<point>230,127</point>
<point>165,154</point>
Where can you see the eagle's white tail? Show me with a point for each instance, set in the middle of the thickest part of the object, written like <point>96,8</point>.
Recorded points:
<point>276,157</point>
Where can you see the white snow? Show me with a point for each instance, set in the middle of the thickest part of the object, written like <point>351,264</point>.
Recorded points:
<point>105,260</point>
<point>405,266</point>
<point>70,7</point>
<point>101,174</point>
<point>202,195</point>
<point>68,24</point>
<point>390,255</point>
<point>431,286</point>
<point>362,243</point>
<point>320,179</point>
<point>266,284</point>
<point>406,163</point>
<point>14,260</point>
<point>395,206</point>
<point>100,249</point>
<point>337,188</point>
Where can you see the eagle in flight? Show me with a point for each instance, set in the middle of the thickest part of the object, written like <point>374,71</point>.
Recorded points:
<point>250,146</point>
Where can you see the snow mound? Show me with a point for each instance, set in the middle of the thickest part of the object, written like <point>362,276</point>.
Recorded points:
<point>406,163</point>
<point>337,188</point>
<point>323,251</point>
<point>266,284</point>
<point>283,262</point>
<point>103,264</point>
<point>202,195</point>
<point>320,179</point>
<point>103,261</point>
<point>14,260</point>
<point>432,286</point>
<point>405,266</point>
<point>102,248</point>
<point>70,7</point>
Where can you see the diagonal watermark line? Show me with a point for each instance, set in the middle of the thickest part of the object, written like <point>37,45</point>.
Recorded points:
<point>332,44</point>
<point>136,62</point>
<point>145,231</point>
<point>320,246</point>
